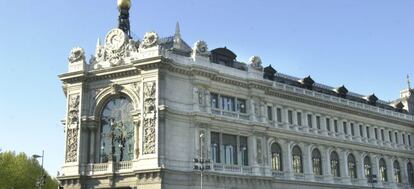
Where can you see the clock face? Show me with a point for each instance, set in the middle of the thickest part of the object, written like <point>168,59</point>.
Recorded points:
<point>115,39</point>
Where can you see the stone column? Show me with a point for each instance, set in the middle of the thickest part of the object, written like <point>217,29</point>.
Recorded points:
<point>359,160</point>
<point>358,136</point>
<point>326,164</point>
<point>403,169</point>
<point>208,101</point>
<point>390,171</point>
<point>324,128</point>
<point>287,159</point>
<point>375,168</point>
<point>387,137</point>
<point>364,132</point>
<point>294,126</point>
<point>314,126</point>
<point>307,163</point>
<point>343,164</point>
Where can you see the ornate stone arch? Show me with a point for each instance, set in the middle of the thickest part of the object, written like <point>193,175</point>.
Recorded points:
<point>114,91</point>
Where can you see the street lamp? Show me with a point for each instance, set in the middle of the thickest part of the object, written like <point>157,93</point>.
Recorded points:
<point>200,163</point>
<point>41,181</point>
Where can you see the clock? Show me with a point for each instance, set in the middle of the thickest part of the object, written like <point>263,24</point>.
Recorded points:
<point>115,39</point>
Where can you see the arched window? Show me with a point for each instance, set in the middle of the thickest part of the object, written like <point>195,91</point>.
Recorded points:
<point>383,170</point>
<point>367,167</point>
<point>335,164</point>
<point>276,157</point>
<point>410,172</point>
<point>117,130</point>
<point>352,170</point>
<point>316,162</point>
<point>297,160</point>
<point>397,172</point>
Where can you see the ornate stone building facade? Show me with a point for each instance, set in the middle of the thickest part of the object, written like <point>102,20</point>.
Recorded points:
<point>137,109</point>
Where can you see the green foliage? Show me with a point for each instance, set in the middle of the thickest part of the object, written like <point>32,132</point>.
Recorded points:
<point>21,172</point>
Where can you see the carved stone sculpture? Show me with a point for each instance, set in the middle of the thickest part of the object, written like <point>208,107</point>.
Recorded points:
<point>150,40</point>
<point>150,117</point>
<point>77,54</point>
<point>72,128</point>
<point>201,48</point>
<point>256,62</point>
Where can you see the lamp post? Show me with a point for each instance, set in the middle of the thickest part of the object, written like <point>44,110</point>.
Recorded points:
<point>200,162</point>
<point>41,181</point>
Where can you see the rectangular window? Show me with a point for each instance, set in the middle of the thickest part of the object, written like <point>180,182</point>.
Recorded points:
<point>299,118</point>
<point>352,129</point>
<point>290,117</point>
<point>279,115</point>
<point>360,131</point>
<point>241,105</point>
<point>368,134</point>
<point>403,137</point>
<point>227,103</point>
<point>310,123</point>
<point>215,147</point>
<point>243,151</point>
<point>336,126</point>
<point>390,135</point>
<point>318,122</point>
<point>229,148</point>
<point>409,140</point>
<point>214,101</point>
<point>396,138</point>
<point>345,127</point>
<point>269,113</point>
<point>382,135</point>
<point>376,133</point>
<point>328,124</point>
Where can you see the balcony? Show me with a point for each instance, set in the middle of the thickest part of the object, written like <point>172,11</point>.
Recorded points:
<point>224,168</point>
<point>103,168</point>
<point>232,114</point>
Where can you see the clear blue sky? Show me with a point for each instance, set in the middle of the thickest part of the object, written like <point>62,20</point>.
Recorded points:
<point>368,45</point>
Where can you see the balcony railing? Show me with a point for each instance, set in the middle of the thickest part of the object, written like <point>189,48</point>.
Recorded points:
<point>232,168</point>
<point>239,115</point>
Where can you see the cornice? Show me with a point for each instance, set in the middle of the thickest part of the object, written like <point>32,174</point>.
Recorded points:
<point>268,89</point>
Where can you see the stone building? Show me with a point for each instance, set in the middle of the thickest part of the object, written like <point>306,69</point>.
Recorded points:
<point>139,112</point>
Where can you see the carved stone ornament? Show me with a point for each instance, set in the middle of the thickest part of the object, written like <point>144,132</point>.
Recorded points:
<point>72,128</point>
<point>150,117</point>
<point>201,48</point>
<point>256,62</point>
<point>259,150</point>
<point>117,47</point>
<point>150,40</point>
<point>77,54</point>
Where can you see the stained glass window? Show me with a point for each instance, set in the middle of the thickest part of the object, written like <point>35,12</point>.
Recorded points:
<point>117,130</point>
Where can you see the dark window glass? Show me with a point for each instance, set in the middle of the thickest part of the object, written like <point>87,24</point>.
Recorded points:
<point>410,172</point>
<point>297,160</point>
<point>215,147</point>
<point>345,127</point>
<point>227,103</point>
<point>316,162</point>
<point>382,134</point>
<point>335,164</point>
<point>403,137</point>
<point>241,105</point>
<point>276,157</point>
<point>279,114</point>
<point>397,172</point>
<point>367,167</point>
<point>376,133</point>
<point>117,130</point>
<point>328,124</point>
<point>336,126</point>
<point>229,147</point>
<point>390,135</point>
<point>214,100</point>
<point>269,113</point>
<point>409,140</point>
<point>299,118</point>
<point>310,124</point>
<point>352,169</point>
<point>360,131</point>
<point>383,170</point>
<point>396,138</point>
<point>352,129</point>
<point>368,134</point>
<point>318,122</point>
<point>290,116</point>
<point>244,151</point>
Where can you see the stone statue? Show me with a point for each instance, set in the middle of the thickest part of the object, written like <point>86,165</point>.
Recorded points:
<point>150,40</point>
<point>77,54</point>
<point>200,48</point>
<point>256,62</point>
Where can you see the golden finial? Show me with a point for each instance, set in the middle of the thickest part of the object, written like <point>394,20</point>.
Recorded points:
<point>124,4</point>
